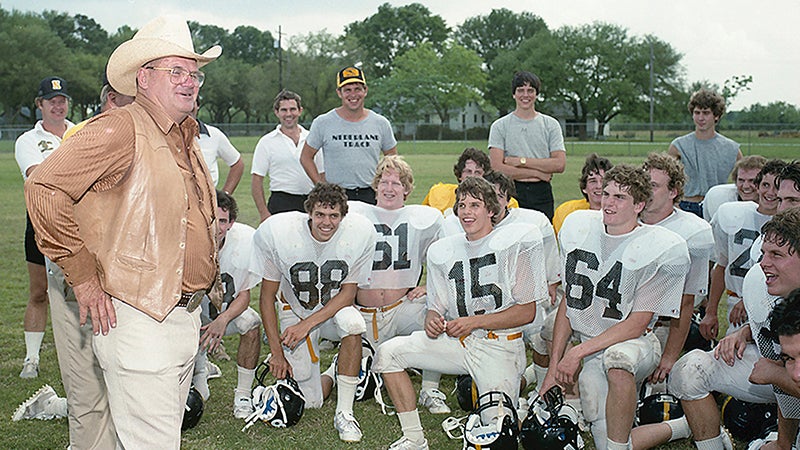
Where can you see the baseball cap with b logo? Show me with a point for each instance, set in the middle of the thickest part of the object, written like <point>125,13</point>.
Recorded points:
<point>350,74</point>
<point>51,87</point>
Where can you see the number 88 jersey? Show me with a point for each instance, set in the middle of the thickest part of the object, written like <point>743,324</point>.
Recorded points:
<point>467,278</point>
<point>607,277</point>
<point>311,272</point>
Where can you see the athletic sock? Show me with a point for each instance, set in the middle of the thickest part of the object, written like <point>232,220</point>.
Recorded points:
<point>345,392</point>
<point>430,380</point>
<point>246,376</point>
<point>714,443</point>
<point>411,426</point>
<point>540,372</point>
<point>33,343</point>
<point>680,428</point>
<point>612,445</point>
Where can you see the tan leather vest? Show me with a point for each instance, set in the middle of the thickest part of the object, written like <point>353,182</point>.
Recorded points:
<point>134,228</point>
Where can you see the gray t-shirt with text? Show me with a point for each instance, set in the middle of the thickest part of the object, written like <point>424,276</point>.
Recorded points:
<point>351,149</point>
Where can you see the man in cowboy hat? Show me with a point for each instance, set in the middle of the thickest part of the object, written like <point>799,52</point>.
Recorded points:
<point>126,208</point>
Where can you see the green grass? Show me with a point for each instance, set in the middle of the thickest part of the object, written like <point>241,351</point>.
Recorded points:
<point>432,162</point>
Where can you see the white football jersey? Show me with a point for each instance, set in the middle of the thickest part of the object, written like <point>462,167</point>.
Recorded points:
<point>759,304</point>
<point>736,227</point>
<point>403,237</point>
<point>607,277</point>
<point>524,216</point>
<point>452,225</point>
<point>505,268</point>
<point>234,267</point>
<point>700,240</point>
<point>312,272</point>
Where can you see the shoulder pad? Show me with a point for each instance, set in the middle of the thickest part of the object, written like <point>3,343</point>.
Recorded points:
<point>730,216</point>
<point>423,217</point>
<point>507,236</point>
<point>757,301</point>
<point>442,250</point>
<point>652,244</point>
<point>578,226</point>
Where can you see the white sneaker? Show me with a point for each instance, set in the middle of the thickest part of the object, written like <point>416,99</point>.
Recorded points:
<point>30,368</point>
<point>405,443</point>
<point>347,426</point>
<point>434,400</point>
<point>36,407</point>
<point>213,371</point>
<point>242,407</point>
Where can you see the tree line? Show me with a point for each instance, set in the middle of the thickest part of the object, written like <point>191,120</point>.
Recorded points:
<point>415,64</point>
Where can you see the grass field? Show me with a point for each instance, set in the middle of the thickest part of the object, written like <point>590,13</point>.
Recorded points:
<point>432,162</point>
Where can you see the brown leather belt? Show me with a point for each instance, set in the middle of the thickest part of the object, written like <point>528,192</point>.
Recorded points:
<point>191,300</point>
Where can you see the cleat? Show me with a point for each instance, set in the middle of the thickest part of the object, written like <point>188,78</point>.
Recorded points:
<point>37,406</point>
<point>30,368</point>
<point>434,400</point>
<point>405,443</point>
<point>242,407</point>
<point>347,426</point>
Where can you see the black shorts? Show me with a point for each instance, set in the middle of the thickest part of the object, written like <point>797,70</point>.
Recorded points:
<point>282,202</point>
<point>32,253</point>
<point>365,194</point>
<point>536,195</point>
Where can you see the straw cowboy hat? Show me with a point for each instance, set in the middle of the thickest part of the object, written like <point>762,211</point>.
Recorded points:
<point>161,37</point>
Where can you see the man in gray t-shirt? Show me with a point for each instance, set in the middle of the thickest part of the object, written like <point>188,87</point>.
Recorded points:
<point>707,156</point>
<point>528,146</point>
<point>351,138</point>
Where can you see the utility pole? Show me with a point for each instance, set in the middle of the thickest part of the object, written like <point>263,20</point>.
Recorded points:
<point>280,59</point>
<point>652,100</point>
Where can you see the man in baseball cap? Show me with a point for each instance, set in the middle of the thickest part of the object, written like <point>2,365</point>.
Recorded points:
<point>126,208</point>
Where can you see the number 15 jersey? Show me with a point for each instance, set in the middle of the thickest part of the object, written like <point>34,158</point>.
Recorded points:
<point>467,278</point>
<point>311,272</point>
<point>607,277</point>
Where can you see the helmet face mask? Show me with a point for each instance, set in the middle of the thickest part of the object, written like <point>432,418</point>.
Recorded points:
<point>551,424</point>
<point>493,425</point>
<point>747,421</point>
<point>280,405</point>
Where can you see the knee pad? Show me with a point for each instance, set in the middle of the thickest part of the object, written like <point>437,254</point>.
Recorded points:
<point>246,321</point>
<point>349,322</point>
<point>690,378</point>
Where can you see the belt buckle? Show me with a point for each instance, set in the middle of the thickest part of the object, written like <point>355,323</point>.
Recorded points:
<point>195,300</point>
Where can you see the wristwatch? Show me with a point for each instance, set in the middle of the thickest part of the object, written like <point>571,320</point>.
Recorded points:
<point>522,161</point>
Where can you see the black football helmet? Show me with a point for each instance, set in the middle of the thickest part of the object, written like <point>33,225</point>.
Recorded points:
<point>747,421</point>
<point>280,405</point>
<point>493,425</point>
<point>551,424</point>
<point>370,383</point>
<point>194,409</point>
<point>658,408</point>
<point>466,393</point>
<point>695,340</point>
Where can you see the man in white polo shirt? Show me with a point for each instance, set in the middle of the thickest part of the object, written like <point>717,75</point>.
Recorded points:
<point>277,155</point>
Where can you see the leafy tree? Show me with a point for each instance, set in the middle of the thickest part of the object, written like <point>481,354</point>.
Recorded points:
<point>250,44</point>
<point>501,29</point>
<point>310,67</point>
<point>207,36</point>
<point>773,113</point>
<point>425,79</point>
<point>392,31</point>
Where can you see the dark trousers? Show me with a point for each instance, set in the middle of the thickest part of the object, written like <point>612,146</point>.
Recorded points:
<point>282,202</point>
<point>32,252</point>
<point>536,195</point>
<point>366,195</point>
<point>692,207</point>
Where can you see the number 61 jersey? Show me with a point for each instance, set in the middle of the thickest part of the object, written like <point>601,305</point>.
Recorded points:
<point>607,277</point>
<point>311,272</point>
<point>468,278</point>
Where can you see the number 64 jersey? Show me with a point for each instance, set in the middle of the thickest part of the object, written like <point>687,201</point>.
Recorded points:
<point>311,272</point>
<point>607,277</point>
<point>489,275</point>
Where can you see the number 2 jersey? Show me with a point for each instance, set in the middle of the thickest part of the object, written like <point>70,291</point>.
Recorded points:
<point>489,275</point>
<point>607,277</point>
<point>403,238</point>
<point>736,227</point>
<point>311,272</point>
<point>234,265</point>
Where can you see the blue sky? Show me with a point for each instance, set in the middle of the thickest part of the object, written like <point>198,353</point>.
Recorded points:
<point>718,39</point>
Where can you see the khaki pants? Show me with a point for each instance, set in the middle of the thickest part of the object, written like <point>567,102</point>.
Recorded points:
<point>90,424</point>
<point>147,366</point>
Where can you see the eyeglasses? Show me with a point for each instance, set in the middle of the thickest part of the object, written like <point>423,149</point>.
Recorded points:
<point>178,75</point>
